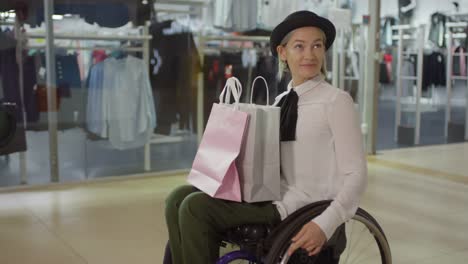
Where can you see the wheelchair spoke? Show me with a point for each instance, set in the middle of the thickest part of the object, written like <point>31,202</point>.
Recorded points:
<point>348,243</point>
<point>361,247</point>
<point>361,255</point>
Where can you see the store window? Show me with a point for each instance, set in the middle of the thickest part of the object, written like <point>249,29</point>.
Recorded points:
<point>125,87</point>
<point>100,101</point>
<point>423,83</point>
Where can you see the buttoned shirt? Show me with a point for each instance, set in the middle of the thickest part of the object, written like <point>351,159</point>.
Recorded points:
<point>327,159</point>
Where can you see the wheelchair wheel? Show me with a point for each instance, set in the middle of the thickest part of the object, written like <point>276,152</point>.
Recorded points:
<point>365,241</point>
<point>232,254</point>
<point>237,257</point>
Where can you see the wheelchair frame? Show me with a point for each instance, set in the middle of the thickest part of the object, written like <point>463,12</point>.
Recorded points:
<point>272,248</point>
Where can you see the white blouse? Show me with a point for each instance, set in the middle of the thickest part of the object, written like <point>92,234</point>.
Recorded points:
<point>327,160</point>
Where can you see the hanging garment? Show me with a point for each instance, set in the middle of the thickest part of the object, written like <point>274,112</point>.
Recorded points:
<point>14,138</point>
<point>94,118</point>
<point>408,68</point>
<point>71,110</point>
<point>128,115</point>
<point>174,69</point>
<point>12,101</point>
<point>434,71</point>
<point>437,30</point>
<point>7,124</point>
<point>459,61</point>
<point>136,12</point>
<point>388,58</point>
<point>267,67</point>
<point>272,12</point>
<point>383,75</point>
<point>217,69</point>
<point>238,15</point>
<point>387,32</point>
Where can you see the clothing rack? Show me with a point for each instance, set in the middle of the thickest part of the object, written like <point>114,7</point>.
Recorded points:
<point>202,40</point>
<point>110,48</point>
<point>182,2</point>
<point>450,128</point>
<point>400,134</point>
<point>95,36</point>
<point>6,23</point>
<point>164,7</point>
<point>144,39</point>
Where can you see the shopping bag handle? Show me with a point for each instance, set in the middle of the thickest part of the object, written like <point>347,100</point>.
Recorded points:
<point>234,86</point>
<point>267,90</point>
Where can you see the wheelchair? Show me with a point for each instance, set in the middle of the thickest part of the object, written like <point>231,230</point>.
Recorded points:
<point>360,240</point>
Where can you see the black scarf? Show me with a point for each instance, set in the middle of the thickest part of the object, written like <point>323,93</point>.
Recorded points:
<point>288,119</point>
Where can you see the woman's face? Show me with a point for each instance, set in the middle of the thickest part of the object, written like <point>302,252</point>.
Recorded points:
<point>304,53</point>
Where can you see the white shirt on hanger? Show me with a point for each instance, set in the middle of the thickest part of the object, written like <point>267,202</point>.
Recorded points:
<point>327,159</point>
<point>238,15</point>
<point>273,12</point>
<point>127,103</point>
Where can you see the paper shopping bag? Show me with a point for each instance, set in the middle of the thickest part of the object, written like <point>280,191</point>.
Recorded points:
<point>214,169</point>
<point>259,159</point>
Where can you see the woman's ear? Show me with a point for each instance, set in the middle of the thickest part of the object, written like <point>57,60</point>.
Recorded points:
<point>281,52</point>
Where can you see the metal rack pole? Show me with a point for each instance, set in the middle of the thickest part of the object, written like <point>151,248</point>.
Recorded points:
<point>466,106</point>
<point>200,91</point>
<point>342,56</point>
<point>448,106</point>
<point>335,62</point>
<point>417,131</point>
<point>450,78</point>
<point>51,92</point>
<point>146,58</point>
<point>88,36</point>
<point>19,54</point>
<point>399,83</point>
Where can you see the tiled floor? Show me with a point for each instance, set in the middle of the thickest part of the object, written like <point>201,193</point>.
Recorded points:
<point>424,215</point>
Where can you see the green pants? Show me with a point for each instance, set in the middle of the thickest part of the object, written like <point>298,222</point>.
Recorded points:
<point>195,223</point>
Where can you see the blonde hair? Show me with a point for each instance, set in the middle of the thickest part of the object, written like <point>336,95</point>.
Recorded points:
<point>283,65</point>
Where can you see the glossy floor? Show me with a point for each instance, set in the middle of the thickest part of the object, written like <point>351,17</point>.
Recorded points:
<point>419,195</point>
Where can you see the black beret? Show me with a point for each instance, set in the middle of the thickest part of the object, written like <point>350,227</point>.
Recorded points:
<point>301,19</point>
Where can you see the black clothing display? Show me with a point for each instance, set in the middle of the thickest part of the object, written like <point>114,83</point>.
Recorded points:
<point>13,138</point>
<point>12,101</point>
<point>174,68</point>
<point>267,67</point>
<point>71,95</point>
<point>383,73</point>
<point>434,71</point>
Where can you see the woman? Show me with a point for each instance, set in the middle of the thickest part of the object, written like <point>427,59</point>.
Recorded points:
<point>321,156</point>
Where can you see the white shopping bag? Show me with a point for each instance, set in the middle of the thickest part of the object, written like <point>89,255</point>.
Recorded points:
<point>259,159</point>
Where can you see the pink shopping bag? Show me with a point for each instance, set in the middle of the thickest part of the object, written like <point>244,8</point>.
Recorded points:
<point>214,169</point>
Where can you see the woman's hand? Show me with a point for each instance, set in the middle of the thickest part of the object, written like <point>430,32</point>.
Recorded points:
<point>311,238</point>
